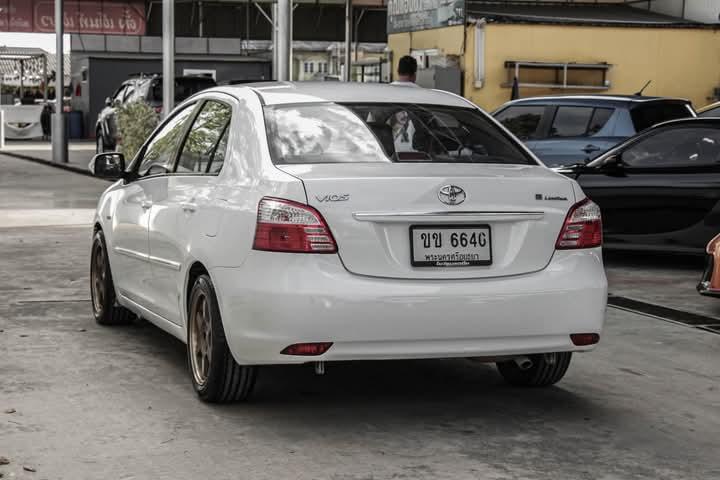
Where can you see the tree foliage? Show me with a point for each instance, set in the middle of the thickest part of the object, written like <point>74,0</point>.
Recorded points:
<point>135,122</point>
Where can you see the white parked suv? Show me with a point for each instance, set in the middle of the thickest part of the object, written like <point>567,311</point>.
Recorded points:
<point>291,223</point>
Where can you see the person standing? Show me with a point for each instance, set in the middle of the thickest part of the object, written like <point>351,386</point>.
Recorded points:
<point>407,72</point>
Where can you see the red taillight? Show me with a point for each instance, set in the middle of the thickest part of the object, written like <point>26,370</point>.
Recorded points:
<point>307,349</point>
<point>582,227</point>
<point>286,226</point>
<point>583,339</point>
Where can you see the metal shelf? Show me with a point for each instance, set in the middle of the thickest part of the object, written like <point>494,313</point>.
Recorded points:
<point>561,69</point>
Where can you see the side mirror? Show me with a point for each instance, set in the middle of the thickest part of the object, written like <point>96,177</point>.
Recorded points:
<point>612,165</point>
<point>613,162</point>
<point>108,101</point>
<point>110,165</point>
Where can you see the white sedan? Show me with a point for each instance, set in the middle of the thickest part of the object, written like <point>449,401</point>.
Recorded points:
<point>318,222</point>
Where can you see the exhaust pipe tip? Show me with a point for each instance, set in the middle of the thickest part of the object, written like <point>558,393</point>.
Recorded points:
<point>523,363</point>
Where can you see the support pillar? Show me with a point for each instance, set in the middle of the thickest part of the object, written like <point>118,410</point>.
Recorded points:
<point>168,59</point>
<point>348,41</point>
<point>59,140</point>
<point>283,39</point>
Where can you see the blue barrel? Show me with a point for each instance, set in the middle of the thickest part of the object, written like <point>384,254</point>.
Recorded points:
<point>75,124</point>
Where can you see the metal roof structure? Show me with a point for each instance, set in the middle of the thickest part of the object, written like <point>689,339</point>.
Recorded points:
<point>33,63</point>
<point>598,14</point>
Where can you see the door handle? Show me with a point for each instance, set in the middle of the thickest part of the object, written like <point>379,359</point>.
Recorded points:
<point>188,207</point>
<point>145,204</point>
<point>590,149</point>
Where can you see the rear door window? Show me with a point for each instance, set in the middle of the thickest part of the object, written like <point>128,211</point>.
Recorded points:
<point>522,120</point>
<point>599,118</point>
<point>200,146</point>
<point>382,132</point>
<point>645,116</point>
<point>571,122</point>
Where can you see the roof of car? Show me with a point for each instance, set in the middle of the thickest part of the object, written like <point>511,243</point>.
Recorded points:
<point>715,121</point>
<point>283,93</point>
<point>593,99</point>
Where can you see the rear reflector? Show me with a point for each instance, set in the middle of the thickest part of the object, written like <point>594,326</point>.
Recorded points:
<point>307,349</point>
<point>583,339</point>
<point>582,227</point>
<point>287,226</point>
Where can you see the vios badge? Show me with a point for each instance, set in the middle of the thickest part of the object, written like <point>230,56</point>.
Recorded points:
<point>451,195</point>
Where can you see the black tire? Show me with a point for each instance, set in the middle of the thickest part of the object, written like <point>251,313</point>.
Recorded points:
<point>217,378</point>
<point>102,290</point>
<point>547,369</point>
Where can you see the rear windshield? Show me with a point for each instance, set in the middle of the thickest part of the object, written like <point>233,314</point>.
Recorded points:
<point>184,88</point>
<point>647,115</point>
<point>387,132</point>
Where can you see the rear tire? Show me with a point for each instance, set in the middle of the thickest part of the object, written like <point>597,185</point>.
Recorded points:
<point>102,289</point>
<point>547,369</point>
<point>215,375</point>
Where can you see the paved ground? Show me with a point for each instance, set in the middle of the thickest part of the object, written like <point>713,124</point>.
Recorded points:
<point>80,152</point>
<point>668,281</point>
<point>94,402</point>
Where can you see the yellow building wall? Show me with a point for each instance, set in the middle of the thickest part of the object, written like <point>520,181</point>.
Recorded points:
<point>448,40</point>
<point>680,62</point>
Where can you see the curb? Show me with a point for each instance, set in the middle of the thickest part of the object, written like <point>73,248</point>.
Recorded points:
<point>62,166</point>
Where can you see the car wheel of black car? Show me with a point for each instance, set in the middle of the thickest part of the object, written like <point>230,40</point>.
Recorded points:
<point>537,370</point>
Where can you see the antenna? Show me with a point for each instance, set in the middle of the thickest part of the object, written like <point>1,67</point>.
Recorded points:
<point>639,94</point>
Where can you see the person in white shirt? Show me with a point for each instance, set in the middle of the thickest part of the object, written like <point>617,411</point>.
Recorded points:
<point>402,126</point>
<point>407,72</point>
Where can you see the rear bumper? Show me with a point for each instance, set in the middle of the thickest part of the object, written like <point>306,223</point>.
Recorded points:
<point>276,299</point>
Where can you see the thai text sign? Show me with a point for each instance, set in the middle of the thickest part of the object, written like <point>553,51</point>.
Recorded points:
<point>115,18</point>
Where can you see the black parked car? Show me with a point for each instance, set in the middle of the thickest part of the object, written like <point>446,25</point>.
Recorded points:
<point>147,88</point>
<point>577,128</point>
<point>660,190</point>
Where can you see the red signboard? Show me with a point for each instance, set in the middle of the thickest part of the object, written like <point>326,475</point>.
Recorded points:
<point>114,18</point>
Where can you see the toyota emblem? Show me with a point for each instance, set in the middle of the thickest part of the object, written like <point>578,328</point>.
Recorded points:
<point>451,195</point>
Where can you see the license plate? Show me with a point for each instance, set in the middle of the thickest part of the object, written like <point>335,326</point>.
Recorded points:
<point>450,246</point>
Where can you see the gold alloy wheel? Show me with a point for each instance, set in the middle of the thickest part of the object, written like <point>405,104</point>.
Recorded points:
<point>200,338</point>
<point>97,278</point>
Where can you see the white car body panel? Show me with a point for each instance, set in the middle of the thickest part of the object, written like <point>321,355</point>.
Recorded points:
<point>386,199</point>
<point>367,299</point>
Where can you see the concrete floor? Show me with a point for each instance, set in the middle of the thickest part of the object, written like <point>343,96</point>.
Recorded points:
<point>94,402</point>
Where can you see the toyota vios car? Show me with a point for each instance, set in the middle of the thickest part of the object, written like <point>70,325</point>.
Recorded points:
<point>294,223</point>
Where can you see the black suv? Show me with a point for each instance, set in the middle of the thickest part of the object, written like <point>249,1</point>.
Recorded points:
<point>567,130</point>
<point>141,87</point>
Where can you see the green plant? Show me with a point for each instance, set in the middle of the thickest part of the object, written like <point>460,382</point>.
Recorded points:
<point>135,122</point>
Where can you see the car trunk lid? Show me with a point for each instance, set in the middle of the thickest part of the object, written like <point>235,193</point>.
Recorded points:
<point>377,211</point>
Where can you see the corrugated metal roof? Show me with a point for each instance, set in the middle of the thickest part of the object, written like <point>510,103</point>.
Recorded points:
<point>585,14</point>
<point>10,56</point>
